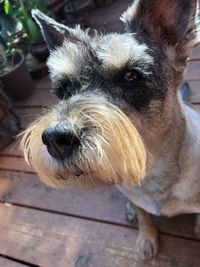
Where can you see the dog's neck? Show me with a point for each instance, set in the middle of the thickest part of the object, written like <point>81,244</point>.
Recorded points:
<point>163,138</point>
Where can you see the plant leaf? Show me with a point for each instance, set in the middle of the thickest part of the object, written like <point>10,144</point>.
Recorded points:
<point>7,6</point>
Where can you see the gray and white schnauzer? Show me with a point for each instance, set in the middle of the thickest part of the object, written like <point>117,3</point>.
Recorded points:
<point>120,119</point>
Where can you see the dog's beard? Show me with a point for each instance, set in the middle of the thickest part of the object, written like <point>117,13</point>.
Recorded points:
<point>111,150</point>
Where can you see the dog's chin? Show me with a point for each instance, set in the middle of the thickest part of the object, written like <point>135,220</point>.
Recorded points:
<point>58,174</point>
<point>74,176</point>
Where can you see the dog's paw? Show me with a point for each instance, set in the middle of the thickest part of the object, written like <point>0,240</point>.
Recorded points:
<point>147,244</point>
<point>197,225</point>
<point>131,214</point>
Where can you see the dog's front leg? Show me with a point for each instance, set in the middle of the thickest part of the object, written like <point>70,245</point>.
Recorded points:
<point>147,241</point>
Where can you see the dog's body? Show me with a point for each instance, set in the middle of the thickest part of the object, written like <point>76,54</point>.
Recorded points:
<point>173,186</point>
<point>120,119</point>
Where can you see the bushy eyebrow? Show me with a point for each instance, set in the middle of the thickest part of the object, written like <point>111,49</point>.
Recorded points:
<point>120,49</point>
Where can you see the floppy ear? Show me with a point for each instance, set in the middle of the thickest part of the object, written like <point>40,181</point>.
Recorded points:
<point>52,31</point>
<point>170,22</point>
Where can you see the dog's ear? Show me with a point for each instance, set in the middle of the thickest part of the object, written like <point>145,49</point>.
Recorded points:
<point>173,23</point>
<point>52,31</point>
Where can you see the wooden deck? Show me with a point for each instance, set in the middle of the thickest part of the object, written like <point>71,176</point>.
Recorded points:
<point>40,226</point>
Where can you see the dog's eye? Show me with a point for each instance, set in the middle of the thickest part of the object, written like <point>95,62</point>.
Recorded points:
<point>63,89</point>
<point>67,92</point>
<point>132,76</point>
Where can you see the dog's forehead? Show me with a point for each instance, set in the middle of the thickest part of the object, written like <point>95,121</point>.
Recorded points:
<point>115,50</point>
<point>110,51</point>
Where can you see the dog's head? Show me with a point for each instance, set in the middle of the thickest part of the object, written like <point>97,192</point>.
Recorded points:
<point>118,94</point>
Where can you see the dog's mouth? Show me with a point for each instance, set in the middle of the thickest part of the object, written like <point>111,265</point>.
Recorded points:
<point>78,172</point>
<point>75,171</point>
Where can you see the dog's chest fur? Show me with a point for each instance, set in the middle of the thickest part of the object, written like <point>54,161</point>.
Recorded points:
<point>173,186</point>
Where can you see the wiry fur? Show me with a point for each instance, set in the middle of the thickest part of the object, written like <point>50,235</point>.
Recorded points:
<point>104,49</point>
<point>136,133</point>
<point>111,149</point>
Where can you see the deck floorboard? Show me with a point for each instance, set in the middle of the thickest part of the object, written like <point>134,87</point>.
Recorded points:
<point>53,240</point>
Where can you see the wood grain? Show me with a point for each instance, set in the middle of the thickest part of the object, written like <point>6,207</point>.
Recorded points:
<point>192,71</point>
<point>40,98</point>
<point>14,163</point>
<point>103,204</point>
<point>56,240</point>
<point>196,53</point>
<point>195,92</point>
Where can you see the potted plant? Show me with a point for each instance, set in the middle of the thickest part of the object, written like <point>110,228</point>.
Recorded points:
<point>14,74</point>
<point>38,47</point>
<point>9,24</point>
<point>21,10</point>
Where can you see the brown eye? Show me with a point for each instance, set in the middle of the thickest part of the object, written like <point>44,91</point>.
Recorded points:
<point>132,76</point>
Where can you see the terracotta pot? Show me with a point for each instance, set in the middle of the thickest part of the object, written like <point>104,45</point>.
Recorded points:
<point>18,84</point>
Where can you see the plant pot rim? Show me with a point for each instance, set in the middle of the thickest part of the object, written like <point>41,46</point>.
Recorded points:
<point>18,52</point>
<point>39,42</point>
<point>42,42</point>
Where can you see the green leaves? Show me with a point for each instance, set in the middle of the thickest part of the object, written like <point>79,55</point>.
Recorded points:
<point>8,9</point>
<point>21,9</point>
<point>34,33</point>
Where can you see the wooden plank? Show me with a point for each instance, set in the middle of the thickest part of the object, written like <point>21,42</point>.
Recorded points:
<point>28,115</point>
<point>9,263</point>
<point>56,240</point>
<point>12,150</point>
<point>41,98</point>
<point>196,53</point>
<point>106,19</point>
<point>14,163</point>
<point>27,189</point>
<point>192,71</point>
<point>103,203</point>
<point>43,83</point>
<point>195,92</point>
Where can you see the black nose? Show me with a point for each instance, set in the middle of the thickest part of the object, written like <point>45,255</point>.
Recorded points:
<point>60,141</point>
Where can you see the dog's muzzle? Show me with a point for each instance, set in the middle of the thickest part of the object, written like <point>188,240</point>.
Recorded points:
<point>85,140</point>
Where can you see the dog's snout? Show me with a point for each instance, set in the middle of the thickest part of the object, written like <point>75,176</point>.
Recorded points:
<point>60,141</point>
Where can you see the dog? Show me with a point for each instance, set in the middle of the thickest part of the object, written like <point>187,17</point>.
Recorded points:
<point>120,118</point>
